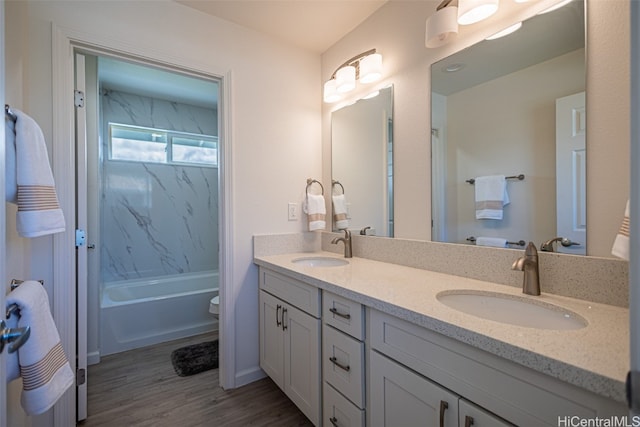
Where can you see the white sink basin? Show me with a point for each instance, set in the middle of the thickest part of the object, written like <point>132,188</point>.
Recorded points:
<point>320,261</point>
<point>512,309</point>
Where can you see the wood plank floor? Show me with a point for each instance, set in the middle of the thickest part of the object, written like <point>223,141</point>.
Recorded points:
<point>140,388</point>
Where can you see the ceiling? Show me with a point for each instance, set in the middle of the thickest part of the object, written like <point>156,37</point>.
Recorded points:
<point>315,25</point>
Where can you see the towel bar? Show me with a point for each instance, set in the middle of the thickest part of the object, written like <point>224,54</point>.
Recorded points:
<point>518,177</point>
<point>518,243</point>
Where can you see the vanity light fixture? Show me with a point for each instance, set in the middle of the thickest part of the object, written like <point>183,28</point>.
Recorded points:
<point>505,32</point>
<point>555,6</point>
<point>365,67</point>
<point>442,26</point>
<point>472,11</point>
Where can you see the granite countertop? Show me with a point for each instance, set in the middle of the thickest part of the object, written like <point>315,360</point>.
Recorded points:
<point>595,357</point>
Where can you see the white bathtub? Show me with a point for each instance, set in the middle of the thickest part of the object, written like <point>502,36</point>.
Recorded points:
<point>138,313</point>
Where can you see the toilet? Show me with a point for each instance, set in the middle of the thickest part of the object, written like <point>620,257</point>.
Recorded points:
<point>214,306</point>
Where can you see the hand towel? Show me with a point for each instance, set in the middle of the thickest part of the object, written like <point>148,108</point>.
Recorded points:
<point>621,243</point>
<point>45,370</point>
<point>39,213</point>
<point>315,209</point>
<point>495,242</point>
<point>340,211</point>
<point>491,196</point>
<point>11,186</point>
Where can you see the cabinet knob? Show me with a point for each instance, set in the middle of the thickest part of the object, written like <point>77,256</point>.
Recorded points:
<point>278,322</point>
<point>339,365</point>
<point>334,421</point>
<point>337,313</point>
<point>443,407</point>
<point>468,421</point>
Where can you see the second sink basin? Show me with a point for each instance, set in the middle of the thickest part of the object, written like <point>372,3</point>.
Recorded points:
<point>320,261</point>
<point>511,309</point>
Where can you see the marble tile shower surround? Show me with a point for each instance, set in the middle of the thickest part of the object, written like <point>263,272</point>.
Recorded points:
<point>157,219</point>
<point>602,280</point>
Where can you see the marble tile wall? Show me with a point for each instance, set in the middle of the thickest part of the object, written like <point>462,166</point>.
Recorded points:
<point>156,219</point>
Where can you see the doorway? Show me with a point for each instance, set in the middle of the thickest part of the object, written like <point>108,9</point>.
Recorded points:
<point>151,188</point>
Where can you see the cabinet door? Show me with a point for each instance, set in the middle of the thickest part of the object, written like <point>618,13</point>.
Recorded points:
<point>474,416</point>
<point>302,361</point>
<point>400,397</point>
<point>272,338</point>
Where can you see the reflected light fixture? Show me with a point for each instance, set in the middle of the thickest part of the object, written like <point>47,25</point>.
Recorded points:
<point>365,67</point>
<point>472,11</point>
<point>505,32</point>
<point>442,26</point>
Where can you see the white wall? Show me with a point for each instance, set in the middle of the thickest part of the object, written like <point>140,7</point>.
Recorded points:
<point>396,30</point>
<point>274,111</point>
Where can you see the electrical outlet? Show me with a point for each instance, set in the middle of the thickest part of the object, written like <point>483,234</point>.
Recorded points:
<point>293,211</point>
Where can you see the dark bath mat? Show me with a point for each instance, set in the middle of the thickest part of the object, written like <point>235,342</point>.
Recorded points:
<point>196,358</point>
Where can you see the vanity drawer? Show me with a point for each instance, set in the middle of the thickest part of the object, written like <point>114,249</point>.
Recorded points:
<point>296,293</point>
<point>343,314</point>
<point>338,411</point>
<point>343,364</point>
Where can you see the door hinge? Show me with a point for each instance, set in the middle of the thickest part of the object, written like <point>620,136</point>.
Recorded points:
<point>81,238</point>
<point>78,98</point>
<point>81,376</point>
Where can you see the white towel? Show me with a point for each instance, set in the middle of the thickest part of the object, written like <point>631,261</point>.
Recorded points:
<point>491,196</point>
<point>495,242</point>
<point>11,186</point>
<point>39,213</point>
<point>13,366</point>
<point>621,243</point>
<point>340,211</point>
<point>45,370</point>
<point>316,211</point>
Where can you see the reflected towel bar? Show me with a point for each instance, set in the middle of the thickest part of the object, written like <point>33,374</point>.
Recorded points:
<point>336,182</point>
<point>518,243</point>
<point>518,177</point>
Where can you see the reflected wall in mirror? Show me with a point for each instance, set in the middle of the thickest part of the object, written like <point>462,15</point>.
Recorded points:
<point>512,106</point>
<point>362,163</point>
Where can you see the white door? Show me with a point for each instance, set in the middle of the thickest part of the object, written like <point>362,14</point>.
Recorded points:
<point>81,250</point>
<point>571,162</point>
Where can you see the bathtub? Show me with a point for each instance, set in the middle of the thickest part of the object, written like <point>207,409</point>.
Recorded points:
<point>138,313</point>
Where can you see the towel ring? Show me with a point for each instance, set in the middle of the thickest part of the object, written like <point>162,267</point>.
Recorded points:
<point>336,182</point>
<point>311,181</point>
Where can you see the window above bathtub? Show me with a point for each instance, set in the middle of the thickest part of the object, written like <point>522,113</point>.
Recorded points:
<point>148,145</point>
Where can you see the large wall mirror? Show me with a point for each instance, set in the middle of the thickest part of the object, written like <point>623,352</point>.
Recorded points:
<point>513,107</point>
<point>362,163</point>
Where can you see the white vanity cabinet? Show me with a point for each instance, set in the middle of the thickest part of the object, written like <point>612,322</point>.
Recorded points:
<point>403,353</point>
<point>290,339</point>
<point>343,366</point>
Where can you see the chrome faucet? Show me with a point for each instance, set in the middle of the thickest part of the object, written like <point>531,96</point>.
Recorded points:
<point>347,243</point>
<point>529,264</point>
<point>548,245</point>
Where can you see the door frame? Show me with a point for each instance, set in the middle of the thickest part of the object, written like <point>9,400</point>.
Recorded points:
<point>65,42</point>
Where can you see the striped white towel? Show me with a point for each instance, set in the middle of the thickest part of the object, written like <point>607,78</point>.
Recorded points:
<point>621,243</point>
<point>39,213</point>
<point>45,370</point>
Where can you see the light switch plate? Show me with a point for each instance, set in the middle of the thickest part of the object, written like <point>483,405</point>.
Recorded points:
<point>292,209</point>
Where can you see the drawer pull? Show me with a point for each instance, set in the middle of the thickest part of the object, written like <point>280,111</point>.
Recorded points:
<point>339,365</point>
<point>278,322</point>
<point>337,313</point>
<point>334,421</point>
<point>468,421</point>
<point>284,322</point>
<point>443,407</point>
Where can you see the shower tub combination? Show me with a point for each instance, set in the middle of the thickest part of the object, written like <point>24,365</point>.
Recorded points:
<point>141,312</point>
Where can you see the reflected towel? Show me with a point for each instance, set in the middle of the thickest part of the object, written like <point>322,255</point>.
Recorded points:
<point>39,213</point>
<point>621,243</point>
<point>340,212</point>
<point>495,242</point>
<point>11,186</point>
<point>316,211</point>
<point>491,196</point>
<point>45,370</point>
